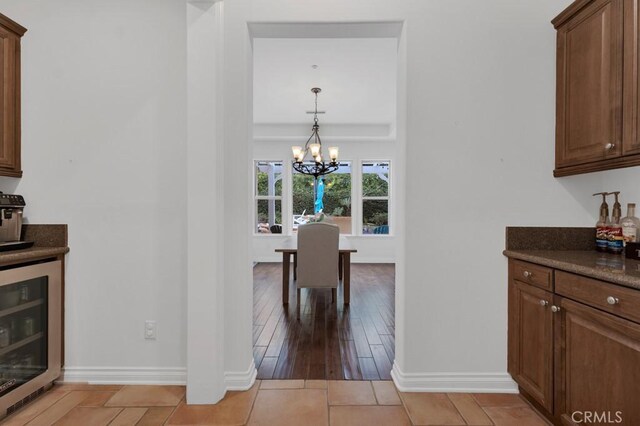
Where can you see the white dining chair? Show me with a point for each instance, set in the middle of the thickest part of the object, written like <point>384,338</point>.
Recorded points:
<point>318,252</point>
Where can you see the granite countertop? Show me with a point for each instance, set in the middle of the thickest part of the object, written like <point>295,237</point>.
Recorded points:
<point>607,267</point>
<point>32,253</point>
<point>49,241</point>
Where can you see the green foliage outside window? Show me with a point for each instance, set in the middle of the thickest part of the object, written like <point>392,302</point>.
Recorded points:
<point>337,197</point>
<point>337,194</point>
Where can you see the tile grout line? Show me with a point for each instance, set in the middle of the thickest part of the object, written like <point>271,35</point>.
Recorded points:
<point>535,410</point>
<point>253,403</point>
<point>374,392</point>
<point>328,406</point>
<point>484,411</point>
<point>115,417</point>
<point>404,406</point>
<point>456,408</point>
<point>56,403</point>
<point>184,398</point>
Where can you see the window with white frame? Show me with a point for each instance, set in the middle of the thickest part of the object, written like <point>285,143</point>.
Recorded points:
<point>375,197</point>
<point>268,197</point>
<point>332,197</point>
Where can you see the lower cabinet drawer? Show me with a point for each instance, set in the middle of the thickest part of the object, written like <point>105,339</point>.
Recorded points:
<point>621,301</point>
<point>533,274</point>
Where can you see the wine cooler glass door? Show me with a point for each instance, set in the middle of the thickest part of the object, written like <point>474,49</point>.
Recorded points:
<point>27,319</point>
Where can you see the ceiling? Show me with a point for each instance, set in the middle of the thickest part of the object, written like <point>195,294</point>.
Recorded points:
<point>357,77</point>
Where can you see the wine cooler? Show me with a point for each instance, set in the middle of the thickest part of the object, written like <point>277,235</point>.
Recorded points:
<point>30,331</point>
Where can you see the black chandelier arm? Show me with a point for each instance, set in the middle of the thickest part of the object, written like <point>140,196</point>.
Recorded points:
<point>316,169</point>
<point>317,140</point>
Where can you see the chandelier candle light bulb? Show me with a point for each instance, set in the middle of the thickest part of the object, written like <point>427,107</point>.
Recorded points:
<point>333,153</point>
<point>297,152</point>
<point>315,149</point>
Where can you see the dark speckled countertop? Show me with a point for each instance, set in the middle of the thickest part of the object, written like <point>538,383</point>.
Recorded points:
<point>571,250</point>
<point>607,267</point>
<point>49,241</point>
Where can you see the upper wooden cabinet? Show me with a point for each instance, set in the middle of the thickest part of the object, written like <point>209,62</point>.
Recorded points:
<point>597,90</point>
<point>10,34</point>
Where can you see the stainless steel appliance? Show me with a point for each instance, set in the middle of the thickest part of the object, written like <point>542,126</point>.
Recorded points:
<point>11,210</point>
<point>30,332</point>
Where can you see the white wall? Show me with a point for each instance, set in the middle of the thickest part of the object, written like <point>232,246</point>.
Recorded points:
<point>104,150</point>
<point>627,181</point>
<point>479,156</point>
<point>205,298</point>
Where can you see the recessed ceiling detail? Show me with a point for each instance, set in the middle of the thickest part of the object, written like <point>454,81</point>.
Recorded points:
<point>357,76</point>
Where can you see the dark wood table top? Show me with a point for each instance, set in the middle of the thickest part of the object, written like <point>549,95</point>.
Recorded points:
<point>290,245</point>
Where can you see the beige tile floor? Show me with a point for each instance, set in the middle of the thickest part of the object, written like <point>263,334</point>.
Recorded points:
<point>273,402</point>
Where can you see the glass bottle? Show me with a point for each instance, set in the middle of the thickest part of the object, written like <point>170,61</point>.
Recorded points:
<point>616,243</point>
<point>630,225</point>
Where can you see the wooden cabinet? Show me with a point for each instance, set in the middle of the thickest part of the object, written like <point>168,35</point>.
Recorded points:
<point>10,34</point>
<point>589,101</point>
<point>575,349</point>
<point>631,118</point>
<point>531,341</point>
<point>597,90</point>
<point>598,359</point>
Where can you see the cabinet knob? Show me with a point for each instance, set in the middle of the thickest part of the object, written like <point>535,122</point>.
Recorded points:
<point>527,274</point>
<point>543,303</point>
<point>610,146</point>
<point>613,300</point>
<point>555,308</point>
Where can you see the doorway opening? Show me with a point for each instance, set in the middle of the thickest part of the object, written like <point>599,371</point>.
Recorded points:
<point>356,66</point>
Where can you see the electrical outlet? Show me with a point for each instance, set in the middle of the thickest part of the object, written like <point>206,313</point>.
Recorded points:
<point>150,330</point>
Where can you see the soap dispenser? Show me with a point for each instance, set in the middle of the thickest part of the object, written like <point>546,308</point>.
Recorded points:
<point>616,240</point>
<point>602,226</point>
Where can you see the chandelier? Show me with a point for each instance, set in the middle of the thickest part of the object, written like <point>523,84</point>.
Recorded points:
<point>314,146</point>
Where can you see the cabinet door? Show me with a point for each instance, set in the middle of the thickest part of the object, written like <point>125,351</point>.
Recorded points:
<point>589,85</point>
<point>597,359</point>
<point>531,341</point>
<point>9,100</point>
<point>631,138</point>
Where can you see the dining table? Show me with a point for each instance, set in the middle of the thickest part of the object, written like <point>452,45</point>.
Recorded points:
<point>289,248</point>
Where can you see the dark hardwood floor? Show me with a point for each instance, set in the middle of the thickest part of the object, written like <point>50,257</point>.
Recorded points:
<point>330,340</point>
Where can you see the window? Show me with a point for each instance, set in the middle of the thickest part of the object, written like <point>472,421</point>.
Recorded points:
<point>375,197</point>
<point>268,197</point>
<point>335,201</point>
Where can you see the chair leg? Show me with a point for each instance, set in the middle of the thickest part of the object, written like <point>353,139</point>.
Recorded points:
<point>295,266</point>
<point>298,303</point>
<point>334,293</point>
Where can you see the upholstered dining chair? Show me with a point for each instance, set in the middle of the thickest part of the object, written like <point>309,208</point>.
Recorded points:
<point>317,265</point>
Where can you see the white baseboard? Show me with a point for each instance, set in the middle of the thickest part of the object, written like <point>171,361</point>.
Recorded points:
<point>453,382</point>
<point>150,376</point>
<point>125,375</point>
<point>243,380</point>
